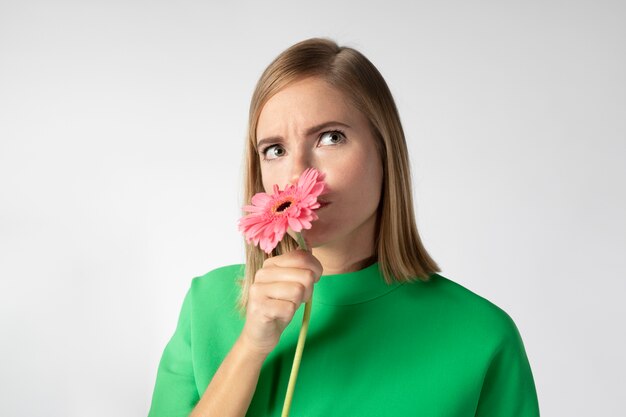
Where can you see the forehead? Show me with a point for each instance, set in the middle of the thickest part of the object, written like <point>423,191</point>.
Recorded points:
<point>302,104</point>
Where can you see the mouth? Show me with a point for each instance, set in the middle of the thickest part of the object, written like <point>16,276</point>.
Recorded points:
<point>323,203</point>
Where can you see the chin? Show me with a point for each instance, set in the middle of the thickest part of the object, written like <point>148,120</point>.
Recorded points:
<point>316,238</point>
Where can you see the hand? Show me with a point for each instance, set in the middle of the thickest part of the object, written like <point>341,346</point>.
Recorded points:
<point>280,287</point>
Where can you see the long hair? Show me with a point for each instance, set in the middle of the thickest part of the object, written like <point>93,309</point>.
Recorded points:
<point>400,252</point>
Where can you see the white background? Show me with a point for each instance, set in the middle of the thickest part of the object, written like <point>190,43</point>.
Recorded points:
<point>122,128</point>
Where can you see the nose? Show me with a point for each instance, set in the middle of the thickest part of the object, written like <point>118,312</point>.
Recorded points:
<point>300,163</point>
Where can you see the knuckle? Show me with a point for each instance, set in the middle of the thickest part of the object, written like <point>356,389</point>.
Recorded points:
<point>286,311</point>
<point>309,277</point>
<point>299,291</point>
<point>291,309</point>
<point>260,274</point>
<point>253,309</point>
<point>254,290</point>
<point>282,312</point>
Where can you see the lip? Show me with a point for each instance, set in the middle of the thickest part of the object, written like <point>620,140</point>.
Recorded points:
<point>323,204</point>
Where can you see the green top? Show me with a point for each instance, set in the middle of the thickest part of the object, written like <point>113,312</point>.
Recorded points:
<point>431,349</point>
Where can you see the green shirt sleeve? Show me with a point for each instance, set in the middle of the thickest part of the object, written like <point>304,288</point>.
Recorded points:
<point>508,388</point>
<point>175,392</point>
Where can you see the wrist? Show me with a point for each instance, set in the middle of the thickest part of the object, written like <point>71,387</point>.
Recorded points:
<point>249,350</point>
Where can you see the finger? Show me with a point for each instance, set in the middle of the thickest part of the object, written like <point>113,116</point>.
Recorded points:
<point>284,290</point>
<point>280,310</point>
<point>296,259</point>
<point>304,277</point>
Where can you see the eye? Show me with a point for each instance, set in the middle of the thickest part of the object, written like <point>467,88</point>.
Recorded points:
<point>333,136</point>
<point>270,152</point>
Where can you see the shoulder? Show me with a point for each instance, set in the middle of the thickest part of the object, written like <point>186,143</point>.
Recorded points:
<point>219,284</point>
<point>480,315</point>
<point>219,275</point>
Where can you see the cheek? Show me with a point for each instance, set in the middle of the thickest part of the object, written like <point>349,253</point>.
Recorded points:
<point>266,181</point>
<point>361,179</point>
<point>369,184</point>
<point>269,178</point>
<point>266,185</point>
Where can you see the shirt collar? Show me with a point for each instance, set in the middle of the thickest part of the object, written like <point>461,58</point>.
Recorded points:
<point>352,287</point>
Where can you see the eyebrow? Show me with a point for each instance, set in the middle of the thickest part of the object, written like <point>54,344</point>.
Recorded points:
<point>309,132</point>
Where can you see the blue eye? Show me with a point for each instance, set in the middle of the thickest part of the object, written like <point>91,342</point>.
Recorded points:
<point>335,136</point>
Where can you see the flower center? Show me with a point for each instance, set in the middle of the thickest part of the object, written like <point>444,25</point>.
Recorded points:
<point>284,206</point>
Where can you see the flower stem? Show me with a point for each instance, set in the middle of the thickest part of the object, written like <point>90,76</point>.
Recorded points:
<point>299,346</point>
<point>301,241</point>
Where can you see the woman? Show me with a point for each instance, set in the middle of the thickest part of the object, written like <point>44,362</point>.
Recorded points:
<point>388,336</point>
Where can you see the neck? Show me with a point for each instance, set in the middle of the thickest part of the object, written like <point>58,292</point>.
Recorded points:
<point>337,265</point>
<point>349,255</point>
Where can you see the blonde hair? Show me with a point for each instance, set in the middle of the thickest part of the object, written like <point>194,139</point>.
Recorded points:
<point>400,252</point>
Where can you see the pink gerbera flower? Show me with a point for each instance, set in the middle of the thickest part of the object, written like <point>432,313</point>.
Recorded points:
<point>271,215</point>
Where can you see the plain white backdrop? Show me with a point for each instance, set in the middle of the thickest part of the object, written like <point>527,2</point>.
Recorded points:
<point>121,142</point>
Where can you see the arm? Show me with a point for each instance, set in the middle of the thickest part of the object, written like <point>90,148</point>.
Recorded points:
<point>230,391</point>
<point>233,385</point>
<point>175,391</point>
<point>280,287</point>
<point>508,388</point>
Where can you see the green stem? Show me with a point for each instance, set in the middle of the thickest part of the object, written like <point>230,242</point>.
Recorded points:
<point>300,346</point>
<point>301,241</point>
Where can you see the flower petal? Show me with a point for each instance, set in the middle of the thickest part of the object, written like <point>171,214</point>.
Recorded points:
<point>266,228</point>
<point>295,224</point>
<point>261,199</point>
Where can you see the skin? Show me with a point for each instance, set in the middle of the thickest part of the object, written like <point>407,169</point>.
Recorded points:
<point>311,124</point>
<point>342,239</point>
<point>343,236</point>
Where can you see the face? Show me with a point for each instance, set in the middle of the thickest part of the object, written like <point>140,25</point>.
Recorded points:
<point>311,124</point>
